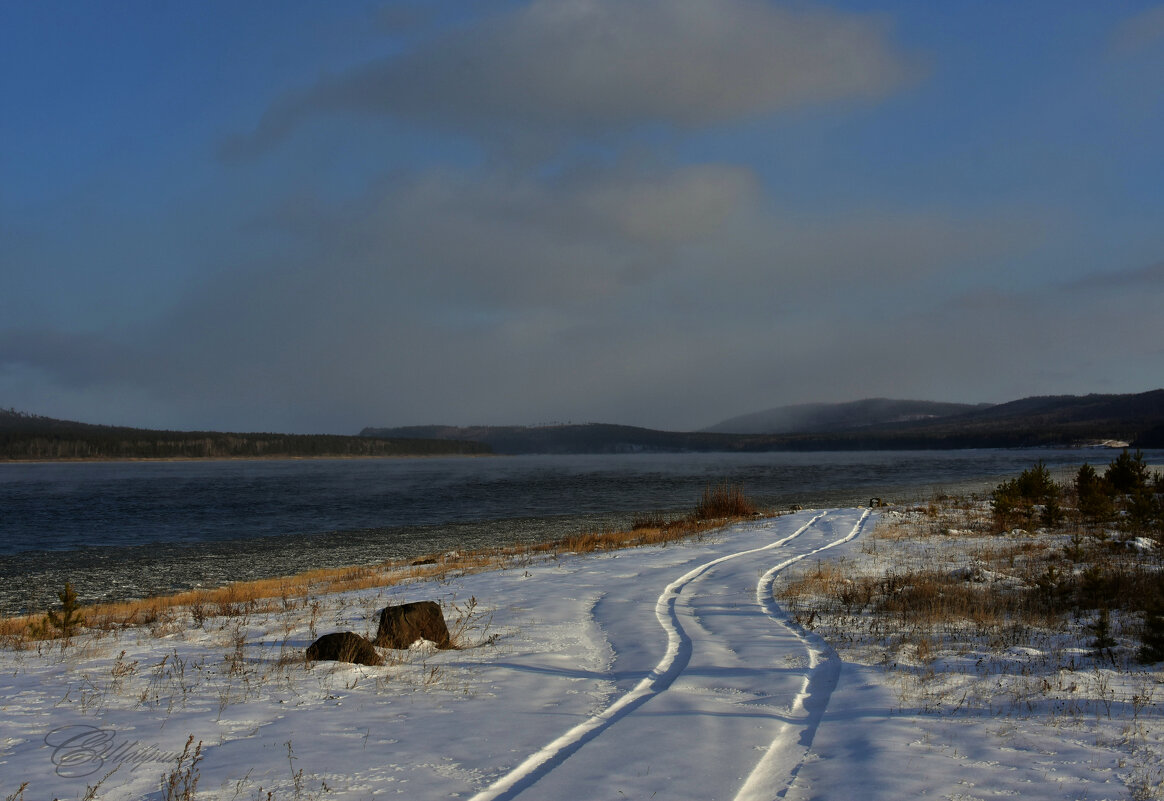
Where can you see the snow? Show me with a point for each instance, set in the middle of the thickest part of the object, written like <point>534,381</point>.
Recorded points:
<point>665,672</point>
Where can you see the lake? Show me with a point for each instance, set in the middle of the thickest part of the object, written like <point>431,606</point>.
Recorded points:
<point>124,529</point>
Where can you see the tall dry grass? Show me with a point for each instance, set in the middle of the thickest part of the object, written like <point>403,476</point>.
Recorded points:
<point>724,500</point>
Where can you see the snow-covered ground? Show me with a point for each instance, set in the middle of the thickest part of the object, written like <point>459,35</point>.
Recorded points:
<point>665,673</point>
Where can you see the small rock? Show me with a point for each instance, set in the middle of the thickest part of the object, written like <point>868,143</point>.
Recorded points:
<point>344,646</point>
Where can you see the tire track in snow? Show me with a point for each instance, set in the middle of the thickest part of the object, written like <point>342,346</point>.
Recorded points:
<point>776,771</point>
<point>662,676</point>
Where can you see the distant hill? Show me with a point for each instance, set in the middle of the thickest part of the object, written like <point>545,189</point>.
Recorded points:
<point>589,438</point>
<point>823,417</point>
<point>32,437</point>
<point>1057,421</point>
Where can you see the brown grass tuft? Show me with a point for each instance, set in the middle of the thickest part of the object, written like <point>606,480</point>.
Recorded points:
<point>724,500</point>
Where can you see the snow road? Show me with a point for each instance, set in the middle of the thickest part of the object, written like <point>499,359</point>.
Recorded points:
<point>736,672</point>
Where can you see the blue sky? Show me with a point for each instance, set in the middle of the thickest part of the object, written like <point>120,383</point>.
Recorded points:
<point>316,217</point>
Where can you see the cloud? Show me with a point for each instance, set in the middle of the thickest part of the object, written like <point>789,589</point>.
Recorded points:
<point>596,66</point>
<point>1142,279</point>
<point>77,359</point>
<point>623,293</point>
<point>1139,32</point>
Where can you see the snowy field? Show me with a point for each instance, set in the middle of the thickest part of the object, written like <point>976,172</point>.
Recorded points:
<point>667,673</point>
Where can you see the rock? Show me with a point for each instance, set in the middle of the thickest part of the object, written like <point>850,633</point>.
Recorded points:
<point>344,646</point>
<point>401,626</point>
<point>974,573</point>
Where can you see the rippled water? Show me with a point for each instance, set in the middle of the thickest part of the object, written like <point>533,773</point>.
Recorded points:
<point>129,528</point>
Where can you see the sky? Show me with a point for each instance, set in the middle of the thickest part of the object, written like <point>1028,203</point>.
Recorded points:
<point>315,217</point>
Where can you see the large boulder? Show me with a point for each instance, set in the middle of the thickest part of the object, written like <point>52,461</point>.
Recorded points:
<point>344,646</point>
<point>404,624</point>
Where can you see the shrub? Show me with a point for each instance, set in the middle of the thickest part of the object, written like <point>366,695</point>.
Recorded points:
<point>724,500</point>
<point>1017,498</point>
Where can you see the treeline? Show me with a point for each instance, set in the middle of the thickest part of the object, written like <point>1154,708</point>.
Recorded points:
<point>1127,497</point>
<point>601,438</point>
<point>950,438</point>
<point>28,437</point>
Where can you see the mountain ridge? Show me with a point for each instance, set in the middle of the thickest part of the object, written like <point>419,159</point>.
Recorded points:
<point>871,424</point>
<point>1037,421</point>
<point>822,417</point>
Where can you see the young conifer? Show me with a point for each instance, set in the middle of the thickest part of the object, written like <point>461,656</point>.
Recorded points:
<point>69,619</point>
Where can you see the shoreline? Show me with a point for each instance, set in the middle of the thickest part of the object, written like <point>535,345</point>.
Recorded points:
<point>269,458</point>
<point>330,580</point>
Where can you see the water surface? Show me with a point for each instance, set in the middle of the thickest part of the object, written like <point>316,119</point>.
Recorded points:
<point>119,529</point>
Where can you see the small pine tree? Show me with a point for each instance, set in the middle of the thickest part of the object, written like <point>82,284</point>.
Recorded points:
<point>1052,514</point>
<point>1016,499</point>
<point>1101,628</point>
<point>69,619</point>
<point>1094,495</point>
<point>1152,636</point>
<point>1143,509</point>
<point>1035,484</point>
<point>1127,473</point>
<point>1004,502</point>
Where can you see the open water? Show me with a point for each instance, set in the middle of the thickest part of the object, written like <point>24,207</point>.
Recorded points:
<point>125,529</point>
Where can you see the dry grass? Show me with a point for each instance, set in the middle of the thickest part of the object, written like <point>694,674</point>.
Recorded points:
<point>163,613</point>
<point>942,573</point>
<point>251,597</point>
<point>724,500</point>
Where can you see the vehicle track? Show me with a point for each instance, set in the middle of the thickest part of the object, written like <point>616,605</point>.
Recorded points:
<point>787,751</point>
<point>662,676</point>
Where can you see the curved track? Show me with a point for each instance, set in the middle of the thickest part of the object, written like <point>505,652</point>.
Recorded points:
<point>705,601</point>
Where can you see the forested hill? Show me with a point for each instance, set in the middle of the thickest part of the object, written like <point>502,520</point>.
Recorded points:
<point>589,438</point>
<point>1053,421</point>
<point>31,437</point>
<point>817,418</point>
